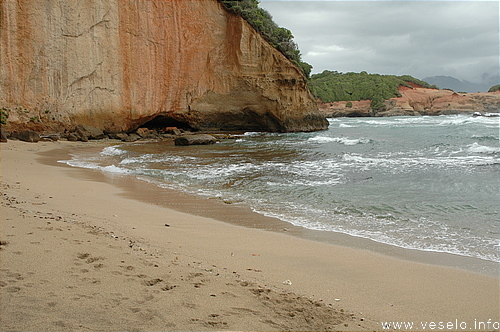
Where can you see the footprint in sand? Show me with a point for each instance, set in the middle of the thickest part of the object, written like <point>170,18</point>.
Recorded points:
<point>13,289</point>
<point>152,282</point>
<point>168,287</point>
<point>89,259</point>
<point>14,275</point>
<point>164,286</point>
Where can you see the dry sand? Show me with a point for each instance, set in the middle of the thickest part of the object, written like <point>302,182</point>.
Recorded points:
<point>79,254</point>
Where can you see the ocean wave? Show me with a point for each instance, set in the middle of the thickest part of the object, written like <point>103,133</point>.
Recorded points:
<point>115,169</point>
<point>80,163</point>
<point>93,165</point>
<point>334,120</point>
<point>150,158</point>
<point>455,122</point>
<point>215,173</point>
<point>476,148</point>
<point>485,137</point>
<point>136,160</point>
<point>398,121</point>
<point>422,121</point>
<point>252,133</point>
<point>112,151</point>
<point>344,125</point>
<point>437,238</point>
<point>461,120</point>
<point>341,140</point>
<point>306,183</point>
<point>403,163</point>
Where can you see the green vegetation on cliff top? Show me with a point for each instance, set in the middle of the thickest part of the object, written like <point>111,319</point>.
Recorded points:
<point>494,88</point>
<point>262,21</point>
<point>331,86</point>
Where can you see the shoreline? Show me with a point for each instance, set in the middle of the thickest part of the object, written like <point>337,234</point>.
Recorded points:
<point>237,264</point>
<point>243,215</point>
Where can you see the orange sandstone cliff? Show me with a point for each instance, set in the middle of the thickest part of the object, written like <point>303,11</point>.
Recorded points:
<point>118,65</point>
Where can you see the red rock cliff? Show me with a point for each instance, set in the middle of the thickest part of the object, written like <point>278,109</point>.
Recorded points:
<point>119,64</point>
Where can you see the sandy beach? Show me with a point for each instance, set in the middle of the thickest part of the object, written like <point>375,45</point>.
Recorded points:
<point>81,252</point>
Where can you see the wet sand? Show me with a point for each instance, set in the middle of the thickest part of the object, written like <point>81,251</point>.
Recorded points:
<point>83,251</point>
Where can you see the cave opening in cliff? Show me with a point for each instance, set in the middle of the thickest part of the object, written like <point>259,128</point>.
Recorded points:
<point>161,122</point>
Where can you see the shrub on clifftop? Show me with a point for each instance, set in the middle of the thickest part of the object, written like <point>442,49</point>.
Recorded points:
<point>262,21</point>
<point>494,88</point>
<point>4,114</point>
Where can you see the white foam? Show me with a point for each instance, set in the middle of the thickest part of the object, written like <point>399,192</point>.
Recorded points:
<point>476,148</point>
<point>455,122</point>
<point>112,151</point>
<point>115,170</point>
<point>307,183</point>
<point>218,172</point>
<point>397,121</point>
<point>322,139</point>
<point>80,164</point>
<point>341,140</point>
<point>402,163</point>
<point>485,137</point>
<point>92,165</point>
<point>376,229</point>
<point>465,119</point>
<point>252,133</point>
<point>365,160</point>
<point>148,158</point>
<point>348,141</point>
<point>128,161</point>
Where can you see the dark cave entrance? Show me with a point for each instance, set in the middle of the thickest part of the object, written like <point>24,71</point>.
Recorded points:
<point>160,122</point>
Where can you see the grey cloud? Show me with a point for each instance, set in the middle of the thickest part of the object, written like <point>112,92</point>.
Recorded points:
<point>420,38</point>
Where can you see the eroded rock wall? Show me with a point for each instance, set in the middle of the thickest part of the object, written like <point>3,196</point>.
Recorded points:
<point>117,64</point>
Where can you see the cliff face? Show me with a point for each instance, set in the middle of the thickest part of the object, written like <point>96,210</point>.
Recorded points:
<point>419,101</point>
<point>119,65</point>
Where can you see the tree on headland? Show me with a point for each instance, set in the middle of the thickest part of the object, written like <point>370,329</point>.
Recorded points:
<point>494,88</point>
<point>262,21</point>
<point>332,86</point>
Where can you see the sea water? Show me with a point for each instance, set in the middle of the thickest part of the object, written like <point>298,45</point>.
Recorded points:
<point>426,183</point>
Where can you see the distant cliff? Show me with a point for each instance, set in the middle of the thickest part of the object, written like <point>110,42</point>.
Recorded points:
<point>418,101</point>
<point>119,65</point>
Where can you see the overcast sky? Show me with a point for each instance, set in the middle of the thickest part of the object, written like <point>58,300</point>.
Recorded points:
<point>419,38</point>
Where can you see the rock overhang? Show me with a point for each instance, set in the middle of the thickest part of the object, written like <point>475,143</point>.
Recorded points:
<point>187,64</point>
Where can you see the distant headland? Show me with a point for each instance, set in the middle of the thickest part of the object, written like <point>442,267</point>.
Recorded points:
<point>363,94</point>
